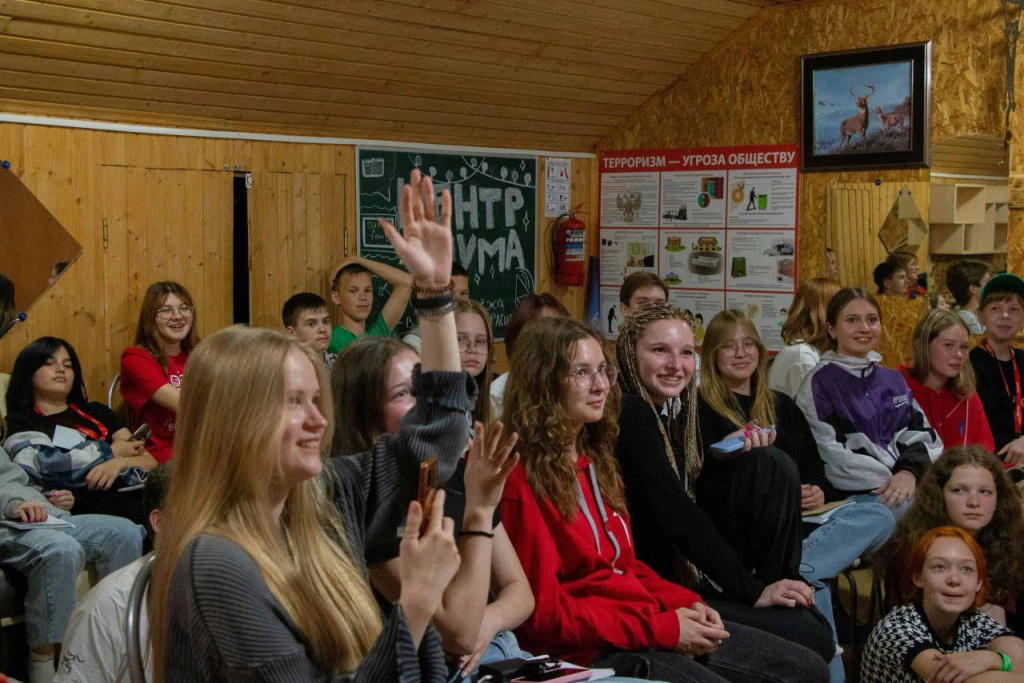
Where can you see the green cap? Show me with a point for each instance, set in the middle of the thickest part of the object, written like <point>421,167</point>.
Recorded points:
<point>1004,282</point>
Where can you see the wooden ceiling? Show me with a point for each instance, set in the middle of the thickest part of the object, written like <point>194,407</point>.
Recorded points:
<point>535,74</point>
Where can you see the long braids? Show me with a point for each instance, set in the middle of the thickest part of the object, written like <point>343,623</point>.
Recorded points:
<point>677,431</point>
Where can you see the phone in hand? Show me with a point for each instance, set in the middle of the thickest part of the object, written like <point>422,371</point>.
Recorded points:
<point>428,483</point>
<point>142,433</point>
<point>729,445</point>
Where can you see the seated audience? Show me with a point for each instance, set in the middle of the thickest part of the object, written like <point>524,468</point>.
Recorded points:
<point>250,534</point>
<point>939,634</point>
<point>805,334</point>
<point>51,558</point>
<point>659,454</point>
<point>639,289</point>
<point>565,511</point>
<point>8,311</point>
<point>63,440</point>
<point>530,307</point>
<point>460,281</point>
<point>875,442</point>
<point>152,371</point>
<point>95,648</point>
<point>476,346</point>
<point>964,279</point>
<point>943,383</point>
<point>735,399</point>
<point>831,265</point>
<point>908,262</point>
<point>997,364</point>
<point>371,389</point>
<point>966,488</point>
<point>305,318</point>
<point>890,278</point>
<point>352,291</point>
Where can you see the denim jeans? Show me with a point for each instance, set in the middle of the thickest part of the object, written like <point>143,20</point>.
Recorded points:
<point>748,655</point>
<point>51,560</point>
<point>854,529</point>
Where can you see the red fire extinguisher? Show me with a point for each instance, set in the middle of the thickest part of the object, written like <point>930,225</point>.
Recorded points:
<point>568,246</point>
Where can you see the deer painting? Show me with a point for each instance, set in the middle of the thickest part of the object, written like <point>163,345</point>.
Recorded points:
<point>893,120</point>
<point>857,123</point>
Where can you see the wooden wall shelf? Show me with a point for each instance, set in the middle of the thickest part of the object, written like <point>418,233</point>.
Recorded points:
<point>969,219</point>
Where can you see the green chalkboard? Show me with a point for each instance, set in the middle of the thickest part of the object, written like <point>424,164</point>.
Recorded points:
<point>494,219</point>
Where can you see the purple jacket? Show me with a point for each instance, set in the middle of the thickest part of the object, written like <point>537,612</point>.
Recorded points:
<point>865,421</point>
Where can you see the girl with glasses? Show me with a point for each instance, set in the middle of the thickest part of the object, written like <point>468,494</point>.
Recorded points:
<point>153,370</point>
<point>735,397</point>
<point>476,344</point>
<point>565,510</point>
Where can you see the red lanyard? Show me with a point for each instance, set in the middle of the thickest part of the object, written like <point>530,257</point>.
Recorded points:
<point>1018,409</point>
<point>101,435</point>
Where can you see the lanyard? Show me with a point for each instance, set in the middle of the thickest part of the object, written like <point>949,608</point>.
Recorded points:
<point>100,435</point>
<point>1018,409</point>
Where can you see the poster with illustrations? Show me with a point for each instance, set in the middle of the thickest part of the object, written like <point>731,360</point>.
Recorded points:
<point>717,224</point>
<point>767,311</point>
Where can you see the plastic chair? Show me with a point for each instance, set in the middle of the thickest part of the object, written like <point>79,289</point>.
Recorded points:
<point>110,391</point>
<point>137,603</point>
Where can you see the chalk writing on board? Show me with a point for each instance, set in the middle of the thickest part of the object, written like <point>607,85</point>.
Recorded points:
<point>494,216</point>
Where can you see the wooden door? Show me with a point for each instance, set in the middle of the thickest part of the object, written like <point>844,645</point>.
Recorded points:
<point>297,227</point>
<point>166,224</point>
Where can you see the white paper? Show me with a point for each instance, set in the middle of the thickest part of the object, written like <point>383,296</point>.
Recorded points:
<point>50,522</point>
<point>557,181</point>
<point>66,438</point>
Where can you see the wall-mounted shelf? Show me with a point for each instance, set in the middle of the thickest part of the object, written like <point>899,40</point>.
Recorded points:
<point>969,219</point>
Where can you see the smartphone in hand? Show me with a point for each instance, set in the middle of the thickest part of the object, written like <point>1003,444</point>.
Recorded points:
<point>142,433</point>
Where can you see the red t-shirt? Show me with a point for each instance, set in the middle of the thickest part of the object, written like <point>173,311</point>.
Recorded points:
<point>141,376</point>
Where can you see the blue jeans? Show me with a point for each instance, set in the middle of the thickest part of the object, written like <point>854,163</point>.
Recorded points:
<point>51,560</point>
<point>854,529</point>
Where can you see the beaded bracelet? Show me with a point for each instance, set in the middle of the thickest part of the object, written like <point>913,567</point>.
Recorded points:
<point>450,287</point>
<point>442,310</point>
<point>1005,665</point>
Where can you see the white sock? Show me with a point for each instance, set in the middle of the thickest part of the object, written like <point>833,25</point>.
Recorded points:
<point>40,670</point>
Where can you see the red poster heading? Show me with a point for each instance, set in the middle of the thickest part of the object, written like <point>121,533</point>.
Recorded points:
<point>701,158</point>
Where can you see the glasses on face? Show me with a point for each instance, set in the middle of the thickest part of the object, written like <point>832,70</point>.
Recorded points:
<point>730,349</point>
<point>476,346</point>
<point>166,312</point>
<point>585,378</point>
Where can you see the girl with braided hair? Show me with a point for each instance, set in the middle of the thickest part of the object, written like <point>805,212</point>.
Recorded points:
<point>660,454</point>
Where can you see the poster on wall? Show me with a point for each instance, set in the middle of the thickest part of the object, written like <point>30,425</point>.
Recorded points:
<point>717,224</point>
<point>494,219</point>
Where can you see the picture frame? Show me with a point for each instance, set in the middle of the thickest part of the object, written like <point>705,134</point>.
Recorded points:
<point>867,108</point>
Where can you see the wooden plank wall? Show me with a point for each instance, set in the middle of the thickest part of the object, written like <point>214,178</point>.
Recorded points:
<point>167,202</point>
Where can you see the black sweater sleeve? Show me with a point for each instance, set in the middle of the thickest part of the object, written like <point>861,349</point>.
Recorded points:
<point>795,438</point>
<point>667,525</point>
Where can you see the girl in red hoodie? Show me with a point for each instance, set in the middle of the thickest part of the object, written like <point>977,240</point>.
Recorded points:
<point>942,381</point>
<point>565,511</point>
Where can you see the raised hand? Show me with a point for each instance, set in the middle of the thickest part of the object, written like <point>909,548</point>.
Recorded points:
<point>427,561</point>
<point>488,464</point>
<point>425,245</point>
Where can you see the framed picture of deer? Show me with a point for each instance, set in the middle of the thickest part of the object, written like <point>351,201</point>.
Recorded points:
<point>867,108</point>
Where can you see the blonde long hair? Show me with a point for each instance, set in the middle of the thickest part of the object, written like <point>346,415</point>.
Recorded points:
<point>713,387</point>
<point>230,428</point>
<point>934,323</point>
<point>630,334</point>
<point>806,320</point>
<point>534,406</point>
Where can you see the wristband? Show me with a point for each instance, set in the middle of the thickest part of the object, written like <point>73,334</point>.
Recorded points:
<point>432,302</point>
<point>1005,665</point>
<point>488,534</point>
<point>436,291</point>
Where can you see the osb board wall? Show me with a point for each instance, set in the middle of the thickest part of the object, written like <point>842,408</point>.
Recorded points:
<point>167,202</point>
<point>899,315</point>
<point>855,213</point>
<point>747,91</point>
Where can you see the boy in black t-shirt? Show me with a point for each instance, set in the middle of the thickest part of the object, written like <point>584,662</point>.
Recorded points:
<point>999,365</point>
